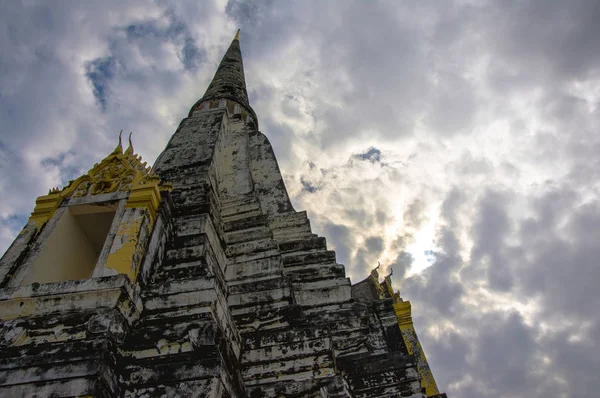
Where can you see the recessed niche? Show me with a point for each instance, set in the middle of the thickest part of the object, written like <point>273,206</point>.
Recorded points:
<point>74,245</point>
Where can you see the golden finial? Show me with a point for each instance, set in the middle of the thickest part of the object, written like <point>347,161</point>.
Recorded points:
<point>237,35</point>
<point>375,272</point>
<point>119,148</point>
<point>129,150</point>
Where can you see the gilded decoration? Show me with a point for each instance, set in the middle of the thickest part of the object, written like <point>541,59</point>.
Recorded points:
<point>119,171</point>
<point>384,289</point>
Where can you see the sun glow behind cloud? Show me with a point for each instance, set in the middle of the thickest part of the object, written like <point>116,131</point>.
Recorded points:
<point>423,248</point>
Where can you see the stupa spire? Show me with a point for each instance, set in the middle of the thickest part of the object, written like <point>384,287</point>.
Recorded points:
<point>229,81</point>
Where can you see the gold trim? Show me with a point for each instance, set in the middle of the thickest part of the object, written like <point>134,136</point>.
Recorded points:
<point>123,171</point>
<point>45,206</point>
<point>403,312</point>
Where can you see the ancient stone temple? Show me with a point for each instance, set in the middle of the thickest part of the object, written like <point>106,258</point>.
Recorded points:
<point>195,278</point>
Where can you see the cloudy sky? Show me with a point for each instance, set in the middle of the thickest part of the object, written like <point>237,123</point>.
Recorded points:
<point>456,142</point>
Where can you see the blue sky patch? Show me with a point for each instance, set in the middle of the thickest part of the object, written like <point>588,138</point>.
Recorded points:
<point>373,155</point>
<point>308,186</point>
<point>100,71</point>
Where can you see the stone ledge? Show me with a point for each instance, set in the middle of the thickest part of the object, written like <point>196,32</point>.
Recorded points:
<point>114,292</point>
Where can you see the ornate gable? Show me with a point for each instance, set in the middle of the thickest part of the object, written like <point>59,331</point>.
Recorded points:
<point>119,171</point>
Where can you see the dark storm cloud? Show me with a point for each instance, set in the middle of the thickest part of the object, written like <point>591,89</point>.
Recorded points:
<point>451,205</point>
<point>452,108</point>
<point>546,38</point>
<point>414,215</point>
<point>57,160</point>
<point>191,54</point>
<point>451,350</point>
<point>374,244</point>
<point>561,258</point>
<point>246,13</point>
<point>389,74</point>
<point>554,265</point>
<point>511,340</point>
<point>439,287</point>
<point>16,222</point>
<point>469,165</point>
<point>281,137</point>
<point>576,362</point>
<point>175,31</point>
<point>401,265</point>
<point>368,254</point>
<point>490,230</point>
<point>338,236</point>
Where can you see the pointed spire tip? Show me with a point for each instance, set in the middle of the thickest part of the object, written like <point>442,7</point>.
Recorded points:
<point>129,150</point>
<point>119,148</point>
<point>237,35</point>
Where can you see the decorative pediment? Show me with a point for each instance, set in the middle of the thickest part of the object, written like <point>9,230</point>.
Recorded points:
<point>119,171</point>
<point>384,289</point>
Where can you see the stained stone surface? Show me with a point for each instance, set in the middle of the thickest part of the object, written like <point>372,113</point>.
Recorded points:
<point>235,296</point>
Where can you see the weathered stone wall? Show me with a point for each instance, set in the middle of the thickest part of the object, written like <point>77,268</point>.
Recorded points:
<point>61,339</point>
<point>235,296</point>
<point>268,182</point>
<point>291,325</point>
